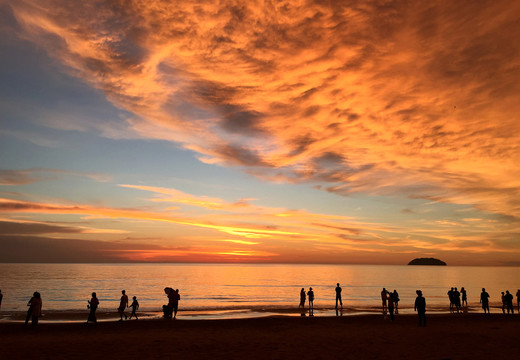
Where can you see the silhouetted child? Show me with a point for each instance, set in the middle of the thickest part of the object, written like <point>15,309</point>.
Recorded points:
<point>93,304</point>
<point>464,296</point>
<point>123,305</point>
<point>420,307</point>
<point>310,295</point>
<point>302,298</point>
<point>509,302</point>
<point>484,300</point>
<point>135,307</point>
<point>338,296</point>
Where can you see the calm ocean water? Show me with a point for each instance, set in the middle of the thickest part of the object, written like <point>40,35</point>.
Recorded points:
<point>207,287</point>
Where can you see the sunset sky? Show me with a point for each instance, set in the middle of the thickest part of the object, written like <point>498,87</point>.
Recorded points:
<point>260,131</point>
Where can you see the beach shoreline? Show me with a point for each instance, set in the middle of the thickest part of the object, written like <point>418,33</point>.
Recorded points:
<point>446,336</point>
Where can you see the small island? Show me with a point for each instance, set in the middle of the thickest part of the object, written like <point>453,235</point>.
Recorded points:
<point>427,261</point>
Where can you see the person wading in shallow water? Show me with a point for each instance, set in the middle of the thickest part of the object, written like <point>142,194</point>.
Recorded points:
<point>123,305</point>
<point>310,295</point>
<point>302,298</point>
<point>338,296</point>
<point>484,300</point>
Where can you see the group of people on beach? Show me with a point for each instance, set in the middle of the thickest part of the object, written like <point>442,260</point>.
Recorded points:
<point>390,302</point>
<point>455,298</point>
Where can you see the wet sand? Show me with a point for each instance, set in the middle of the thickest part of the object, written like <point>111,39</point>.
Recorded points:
<point>450,336</point>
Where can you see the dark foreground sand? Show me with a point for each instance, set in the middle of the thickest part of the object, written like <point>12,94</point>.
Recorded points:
<point>469,336</point>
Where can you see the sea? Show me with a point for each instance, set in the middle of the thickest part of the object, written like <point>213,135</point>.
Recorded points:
<point>211,291</point>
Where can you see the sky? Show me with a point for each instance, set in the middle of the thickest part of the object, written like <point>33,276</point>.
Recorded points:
<point>356,132</point>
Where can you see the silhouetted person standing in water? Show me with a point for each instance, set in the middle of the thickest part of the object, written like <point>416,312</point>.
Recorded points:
<point>396,301</point>
<point>503,297</point>
<point>93,304</point>
<point>310,294</point>
<point>384,296</point>
<point>518,300</point>
<point>450,296</point>
<point>302,298</point>
<point>509,302</point>
<point>484,300</point>
<point>135,307</point>
<point>420,307</point>
<point>464,296</point>
<point>123,305</point>
<point>176,298</point>
<point>1,297</point>
<point>338,296</point>
<point>456,299</point>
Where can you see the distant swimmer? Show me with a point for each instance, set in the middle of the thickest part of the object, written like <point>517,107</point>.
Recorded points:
<point>135,307</point>
<point>93,304</point>
<point>484,300</point>
<point>310,295</point>
<point>420,307</point>
<point>338,296</point>
<point>123,305</point>
<point>303,296</point>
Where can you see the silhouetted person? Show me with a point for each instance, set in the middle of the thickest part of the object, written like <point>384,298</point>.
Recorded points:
<point>450,296</point>
<point>484,300</point>
<point>1,297</point>
<point>168,309</point>
<point>503,298</point>
<point>456,299</point>
<point>396,301</point>
<point>302,298</point>
<point>93,304</point>
<point>310,295</point>
<point>135,307</point>
<point>123,305</point>
<point>391,306</point>
<point>464,296</point>
<point>509,302</point>
<point>518,300</point>
<point>384,296</point>
<point>338,296</point>
<point>176,298</point>
<point>31,304</point>
<point>35,309</point>
<point>420,307</point>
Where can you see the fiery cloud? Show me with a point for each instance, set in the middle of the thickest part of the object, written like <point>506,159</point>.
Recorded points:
<point>414,99</point>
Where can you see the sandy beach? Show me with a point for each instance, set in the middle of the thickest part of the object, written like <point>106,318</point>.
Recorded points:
<point>448,336</point>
